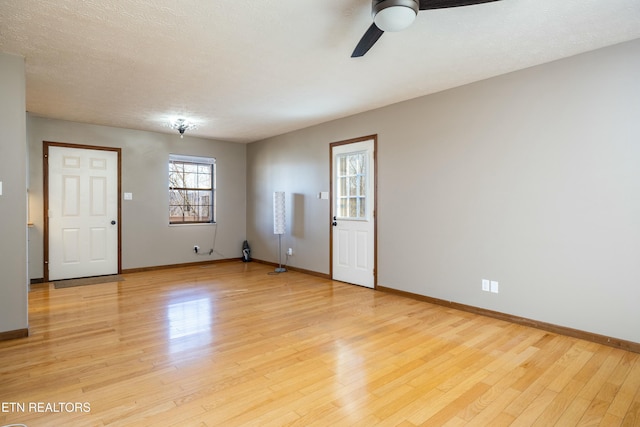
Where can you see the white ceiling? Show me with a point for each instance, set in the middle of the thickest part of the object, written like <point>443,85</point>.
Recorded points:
<point>245,70</point>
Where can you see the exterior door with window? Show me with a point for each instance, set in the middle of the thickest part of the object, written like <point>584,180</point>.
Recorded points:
<point>82,212</point>
<point>353,212</point>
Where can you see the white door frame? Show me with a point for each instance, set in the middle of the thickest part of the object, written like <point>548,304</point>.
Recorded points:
<point>373,138</point>
<point>45,152</point>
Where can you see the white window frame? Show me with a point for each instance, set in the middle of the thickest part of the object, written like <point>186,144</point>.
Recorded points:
<point>210,207</point>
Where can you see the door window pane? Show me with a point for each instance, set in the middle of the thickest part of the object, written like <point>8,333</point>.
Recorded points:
<point>351,174</point>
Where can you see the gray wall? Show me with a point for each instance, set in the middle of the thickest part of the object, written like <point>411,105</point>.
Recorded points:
<point>147,239</point>
<point>299,167</point>
<point>13,201</point>
<point>531,179</point>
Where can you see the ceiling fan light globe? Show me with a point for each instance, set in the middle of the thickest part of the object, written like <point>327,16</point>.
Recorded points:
<point>394,15</point>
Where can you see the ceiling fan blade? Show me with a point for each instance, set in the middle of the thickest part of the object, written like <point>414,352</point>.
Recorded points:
<point>442,4</point>
<point>367,41</point>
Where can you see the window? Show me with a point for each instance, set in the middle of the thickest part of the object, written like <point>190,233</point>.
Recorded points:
<point>191,189</point>
<point>351,185</point>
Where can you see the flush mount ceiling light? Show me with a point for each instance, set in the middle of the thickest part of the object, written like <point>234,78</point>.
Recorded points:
<point>394,15</point>
<point>182,125</point>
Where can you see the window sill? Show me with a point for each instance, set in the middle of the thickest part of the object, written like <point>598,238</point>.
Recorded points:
<point>191,224</point>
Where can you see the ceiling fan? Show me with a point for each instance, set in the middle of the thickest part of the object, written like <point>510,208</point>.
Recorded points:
<point>396,15</point>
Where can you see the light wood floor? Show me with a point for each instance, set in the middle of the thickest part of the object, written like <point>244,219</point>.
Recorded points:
<point>229,344</point>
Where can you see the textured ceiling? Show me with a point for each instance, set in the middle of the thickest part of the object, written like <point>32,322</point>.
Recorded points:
<point>246,70</point>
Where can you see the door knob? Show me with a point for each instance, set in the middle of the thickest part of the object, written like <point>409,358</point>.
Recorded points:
<point>113,223</point>
<point>334,223</point>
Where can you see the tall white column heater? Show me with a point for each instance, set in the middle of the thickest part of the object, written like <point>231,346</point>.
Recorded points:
<point>279,224</point>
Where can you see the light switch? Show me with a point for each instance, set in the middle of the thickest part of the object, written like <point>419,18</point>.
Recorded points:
<point>128,196</point>
<point>485,285</point>
<point>0,188</point>
<point>324,195</point>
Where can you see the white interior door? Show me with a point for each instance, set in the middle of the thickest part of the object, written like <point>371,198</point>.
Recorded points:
<point>353,230</point>
<point>82,212</point>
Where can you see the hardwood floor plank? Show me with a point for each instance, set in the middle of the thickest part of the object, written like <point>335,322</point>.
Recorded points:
<point>632,417</point>
<point>447,398</point>
<point>498,395</point>
<point>532,412</point>
<point>598,378</point>
<point>629,389</point>
<point>559,405</point>
<point>594,413</point>
<point>489,414</point>
<point>230,344</point>
<point>574,412</point>
<point>458,405</point>
<point>570,364</point>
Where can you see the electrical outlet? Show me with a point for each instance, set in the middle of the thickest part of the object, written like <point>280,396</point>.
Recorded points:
<point>486,285</point>
<point>290,251</point>
<point>494,286</point>
<point>196,249</point>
